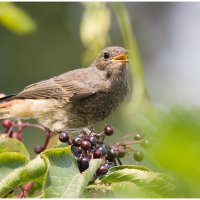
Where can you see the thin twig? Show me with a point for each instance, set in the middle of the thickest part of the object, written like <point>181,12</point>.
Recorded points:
<point>119,161</point>
<point>25,190</point>
<point>131,143</point>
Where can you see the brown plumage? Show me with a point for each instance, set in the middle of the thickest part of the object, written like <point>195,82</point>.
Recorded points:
<point>74,98</point>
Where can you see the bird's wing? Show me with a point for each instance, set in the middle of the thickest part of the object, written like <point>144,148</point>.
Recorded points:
<point>74,86</point>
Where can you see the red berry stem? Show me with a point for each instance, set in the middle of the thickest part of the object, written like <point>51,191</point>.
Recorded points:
<point>25,190</point>
<point>44,129</point>
<point>21,126</point>
<point>9,131</point>
<point>20,130</point>
<point>49,134</point>
<point>36,126</point>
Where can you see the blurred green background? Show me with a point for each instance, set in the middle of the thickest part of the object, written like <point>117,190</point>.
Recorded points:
<point>41,40</point>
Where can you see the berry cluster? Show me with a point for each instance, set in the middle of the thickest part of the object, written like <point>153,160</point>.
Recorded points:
<point>90,145</point>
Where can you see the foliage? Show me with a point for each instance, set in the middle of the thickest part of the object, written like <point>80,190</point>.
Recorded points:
<point>57,172</point>
<point>54,173</point>
<point>15,19</point>
<point>176,147</point>
<point>63,178</point>
<point>90,33</point>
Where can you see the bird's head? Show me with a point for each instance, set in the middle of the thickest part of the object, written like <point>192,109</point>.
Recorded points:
<point>112,59</point>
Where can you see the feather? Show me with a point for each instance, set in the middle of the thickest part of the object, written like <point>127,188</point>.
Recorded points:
<point>67,86</point>
<point>7,98</point>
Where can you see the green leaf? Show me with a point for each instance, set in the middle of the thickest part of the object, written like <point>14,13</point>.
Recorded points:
<point>10,167</point>
<point>95,23</point>
<point>176,147</point>
<point>12,145</point>
<point>119,190</point>
<point>15,170</point>
<point>33,191</point>
<point>159,182</point>
<point>130,190</point>
<point>34,171</point>
<point>139,167</point>
<point>63,179</point>
<point>15,19</point>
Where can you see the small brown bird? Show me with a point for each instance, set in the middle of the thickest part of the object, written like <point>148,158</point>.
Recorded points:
<point>75,98</point>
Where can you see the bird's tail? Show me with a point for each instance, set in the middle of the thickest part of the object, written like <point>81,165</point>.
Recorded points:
<point>5,110</point>
<point>14,109</point>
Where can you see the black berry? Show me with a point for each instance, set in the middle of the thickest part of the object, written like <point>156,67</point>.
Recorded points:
<point>7,123</point>
<point>109,165</point>
<point>64,137</point>
<point>102,170</point>
<point>112,154</point>
<point>74,150</point>
<point>85,144</point>
<point>106,147</point>
<point>83,163</point>
<point>80,150</point>
<point>93,140</point>
<point>77,141</point>
<point>108,130</point>
<point>97,153</point>
<point>38,149</point>
<point>137,137</point>
<point>138,156</point>
<point>103,150</point>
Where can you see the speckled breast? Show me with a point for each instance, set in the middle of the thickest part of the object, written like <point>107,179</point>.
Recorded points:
<point>98,106</point>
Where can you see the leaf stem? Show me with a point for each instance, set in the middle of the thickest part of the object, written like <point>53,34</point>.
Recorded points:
<point>25,190</point>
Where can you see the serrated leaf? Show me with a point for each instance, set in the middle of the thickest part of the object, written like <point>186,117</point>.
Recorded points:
<point>34,171</point>
<point>145,179</point>
<point>139,167</point>
<point>35,190</point>
<point>10,167</point>
<point>119,190</point>
<point>130,190</point>
<point>12,145</point>
<point>63,179</point>
<point>15,170</point>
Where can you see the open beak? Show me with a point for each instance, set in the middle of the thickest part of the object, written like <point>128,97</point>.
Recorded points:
<point>120,58</point>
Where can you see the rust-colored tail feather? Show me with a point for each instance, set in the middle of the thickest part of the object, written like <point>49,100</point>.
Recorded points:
<point>7,98</point>
<point>4,110</point>
<point>13,109</point>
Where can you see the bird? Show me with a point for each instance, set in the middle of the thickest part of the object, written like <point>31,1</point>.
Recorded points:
<point>76,98</point>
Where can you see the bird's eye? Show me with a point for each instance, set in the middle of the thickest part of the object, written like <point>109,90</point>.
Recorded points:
<point>106,55</point>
